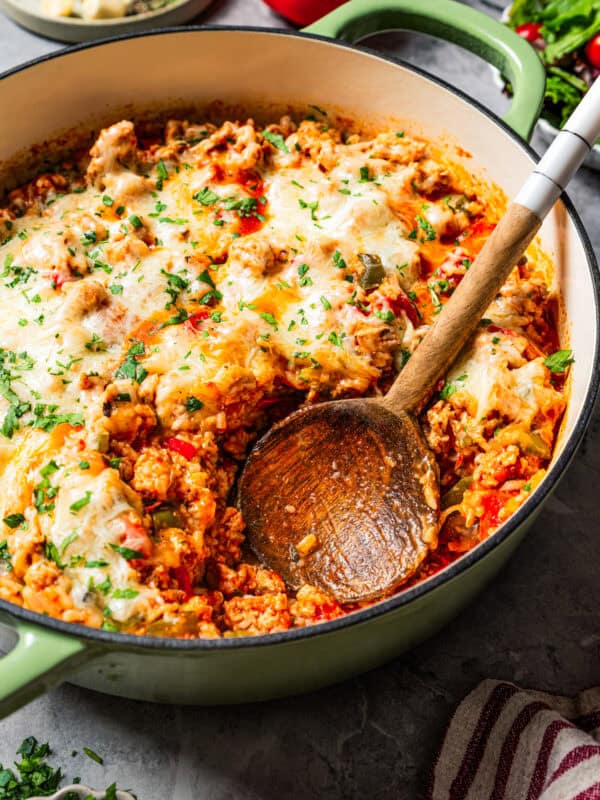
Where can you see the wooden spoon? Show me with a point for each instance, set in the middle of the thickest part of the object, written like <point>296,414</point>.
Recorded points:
<point>345,495</point>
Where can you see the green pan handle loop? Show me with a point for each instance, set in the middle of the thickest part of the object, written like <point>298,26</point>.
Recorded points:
<point>37,663</point>
<point>511,54</point>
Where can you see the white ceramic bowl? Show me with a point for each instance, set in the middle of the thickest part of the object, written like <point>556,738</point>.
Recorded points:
<point>83,792</point>
<point>28,13</point>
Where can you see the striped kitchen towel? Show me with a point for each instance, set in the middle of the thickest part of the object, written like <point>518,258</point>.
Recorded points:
<point>506,743</point>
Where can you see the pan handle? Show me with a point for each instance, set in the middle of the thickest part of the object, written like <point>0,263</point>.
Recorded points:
<point>511,54</point>
<point>36,663</point>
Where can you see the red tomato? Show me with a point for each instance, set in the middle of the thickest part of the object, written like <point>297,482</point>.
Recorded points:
<point>592,51</point>
<point>303,12</point>
<point>182,447</point>
<point>530,31</point>
<point>195,320</point>
<point>135,537</point>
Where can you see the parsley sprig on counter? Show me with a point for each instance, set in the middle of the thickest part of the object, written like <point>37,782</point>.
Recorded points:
<point>34,776</point>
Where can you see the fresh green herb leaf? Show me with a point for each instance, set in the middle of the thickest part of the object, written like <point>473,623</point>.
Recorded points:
<point>559,361</point>
<point>81,503</point>
<point>126,552</point>
<point>14,520</point>
<point>193,404</point>
<point>277,140</point>
<point>94,756</point>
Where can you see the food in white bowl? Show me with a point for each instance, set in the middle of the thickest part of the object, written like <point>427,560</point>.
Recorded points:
<point>100,9</point>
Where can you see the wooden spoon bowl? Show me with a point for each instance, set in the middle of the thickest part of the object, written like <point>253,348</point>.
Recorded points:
<point>343,496</point>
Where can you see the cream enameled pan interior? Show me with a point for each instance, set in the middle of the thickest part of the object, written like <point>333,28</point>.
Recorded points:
<point>254,70</point>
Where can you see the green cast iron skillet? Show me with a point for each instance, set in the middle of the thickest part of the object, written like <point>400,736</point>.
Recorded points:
<point>93,85</point>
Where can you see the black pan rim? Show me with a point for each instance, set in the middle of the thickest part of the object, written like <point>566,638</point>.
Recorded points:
<point>132,642</point>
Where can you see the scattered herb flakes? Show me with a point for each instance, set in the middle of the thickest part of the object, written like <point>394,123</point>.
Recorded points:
<point>136,221</point>
<point>268,317</point>
<point>448,389</point>
<point>426,227</point>
<point>44,493</point>
<point>559,361</point>
<point>338,260</point>
<point>124,594</point>
<point>131,368</point>
<point>5,559</point>
<point>162,172</point>
<point>193,404</point>
<point>305,280</point>
<point>206,197</point>
<point>277,140</point>
<point>127,553</point>
<point>81,503</point>
<point>312,207</point>
<point>94,756</point>
<point>14,520</point>
<point>365,175</point>
<point>88,238</point>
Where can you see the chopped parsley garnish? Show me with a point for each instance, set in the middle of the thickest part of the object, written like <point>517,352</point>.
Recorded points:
<point>193,404</point>
<point>277,140</point>
<point>559,361</point>
<point>130,368</point>
<point>427,227</point>
<point>67,541</point>
<point>205,278</point>
<point>336,338</point>
<point>115,288</point>
<point>181,316</point>
<point>268,317</point>
<point>162,172</point>
<point>387,315</point>
<point>44,493</point>
<point>52,554</point>
<point>96,564</point>
<point>338,260</point>
<point>325,303</point>
<point>305,280</point>
<point>206,197</point>
<point>107,201</point>
<point>448,389</point>
<point>365,175</point>
<point>313,206</point>
<point>14,520</point>
<point>36,776</point>
<point>136,221</point>
<point>81,503</point>
<point>89,238</point>
<point>94,756</point>
<point>124,594</point>
<point>46,420</point>
<point>246,206</point>
<point>175,285</point>
<point>96,344</point>
<point>5,559</point>
<point>126,552</point>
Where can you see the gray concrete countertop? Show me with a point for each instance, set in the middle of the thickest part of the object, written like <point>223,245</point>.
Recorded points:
<point>373,736</point>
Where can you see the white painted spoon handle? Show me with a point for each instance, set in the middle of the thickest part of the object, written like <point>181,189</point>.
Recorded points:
<point>564,156</point>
